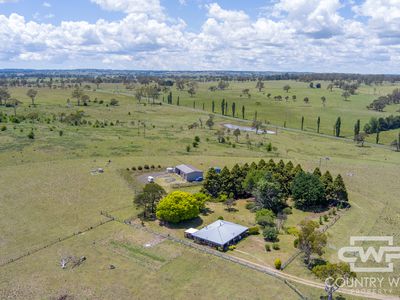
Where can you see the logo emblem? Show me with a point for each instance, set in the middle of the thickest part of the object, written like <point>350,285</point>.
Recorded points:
<point>361,255</point>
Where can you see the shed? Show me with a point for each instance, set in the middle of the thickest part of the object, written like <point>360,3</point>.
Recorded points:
<point>188,172</point>
<point>220,234</point>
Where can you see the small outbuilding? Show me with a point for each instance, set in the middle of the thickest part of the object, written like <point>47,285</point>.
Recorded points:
<point>220,234</point>
<point>189,173</point>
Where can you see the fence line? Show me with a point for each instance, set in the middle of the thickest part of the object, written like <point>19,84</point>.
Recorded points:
<point>208,250</point>
<point>59,240</point>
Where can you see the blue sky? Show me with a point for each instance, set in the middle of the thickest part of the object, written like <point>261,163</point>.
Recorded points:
<point>281,35</point>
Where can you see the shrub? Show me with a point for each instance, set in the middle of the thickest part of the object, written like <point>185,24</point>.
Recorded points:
<point>293,231</point>
<point>133,168</point>
<point>31,135</point>
<point>267,247</point>
<point>220,218</point>
<point>61,133</point>
<point>275,246</point>
<point>114,102</point>
<point>197,139</point>
<point>269,147</point>
<point>270,234</point>
<point>326,218</point>
<point>140,168</point>
<point>152,167</point>
<point>287,211</point>
<point>3,128</point>
<point>232,247</point>
<point>278,264</point>
<point>254,230</point>
<point>296,243</point>
<point>188,148</point>
<point>195,144</point>
<point>265,217</point>
<point>146,167</point>
<point>250,205</point>
<point>159,166</point>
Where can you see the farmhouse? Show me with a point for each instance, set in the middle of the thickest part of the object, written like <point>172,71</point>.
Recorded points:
<point>188,172</point>
<point>219,234</point>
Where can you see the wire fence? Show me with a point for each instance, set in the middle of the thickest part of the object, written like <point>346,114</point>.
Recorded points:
<point>210,251</point>
<point>56,241</point>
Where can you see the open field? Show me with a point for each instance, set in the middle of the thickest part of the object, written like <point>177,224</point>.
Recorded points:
<point>289,111</point>
<point>48,192</point>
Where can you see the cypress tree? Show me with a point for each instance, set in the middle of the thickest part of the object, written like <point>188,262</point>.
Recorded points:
<point>302,123</point>
<point>318,124</point>
<point>255,115</point>
<point>339,189</point>
<point>226,182</point>
<point>377,137</point>
<point>177,101</point>
<point>253,166</point>
<point>262,164</point>
<point>223,107</point>
<point>194,104</point>
<point>327,181</point>
<point>356,128</point>
<point>203,105</point>
<point>297,170</point>
<point>271,165</point>
<point>226,107</point>
<point>233,109</point>
<point>213,106</point>
<point>337,127</point>
<point>237,178</point>
<point>243,111</point>
<point>212,183</point>
<point>317,172</point>
<point>280,166</point>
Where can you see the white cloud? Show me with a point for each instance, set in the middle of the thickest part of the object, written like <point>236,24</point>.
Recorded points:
<point>46,4</point>
<point>295,35</point>
<point>152,7</point>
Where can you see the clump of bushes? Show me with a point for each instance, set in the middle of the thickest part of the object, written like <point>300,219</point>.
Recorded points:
<point>146,167</point>
<point>220,218</point>
<point>232,247</point>
<point>270,233</point>
<point>3,128</point>
<point>140,168</point>
<point>31,135</point>
<point>267,247</point>
<point>276,246</point>
<point>254,230</point>
<point>133,168</point>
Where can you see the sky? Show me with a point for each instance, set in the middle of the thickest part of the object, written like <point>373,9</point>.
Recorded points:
<point>353,36</point>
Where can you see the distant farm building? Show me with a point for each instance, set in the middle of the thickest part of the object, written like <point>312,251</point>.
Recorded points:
<point>219,234</point>
<point>189,173</point>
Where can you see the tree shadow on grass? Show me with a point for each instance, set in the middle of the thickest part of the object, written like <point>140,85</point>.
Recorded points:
<point>207,211</point>
<point>193,223</point>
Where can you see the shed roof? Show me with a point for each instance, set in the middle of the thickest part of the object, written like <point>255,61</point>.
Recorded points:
<point>220,232</point>
<point>191,230</point>
<point>187,169</point>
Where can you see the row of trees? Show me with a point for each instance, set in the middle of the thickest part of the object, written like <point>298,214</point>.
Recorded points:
<point>272,184</point>
<point>380,103</point>
<point>382,124</point>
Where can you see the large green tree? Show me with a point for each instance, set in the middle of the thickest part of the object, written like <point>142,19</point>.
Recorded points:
<point>178,206</point>
<point>307,191</point>
<point>268,194</point>
<point>311,240</point>
<point>148,198</point>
